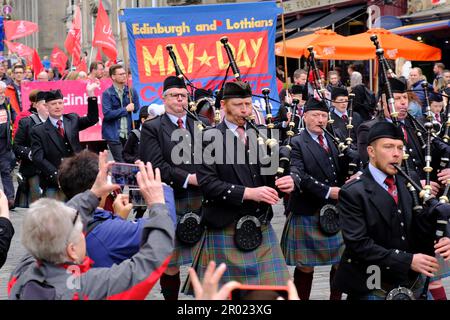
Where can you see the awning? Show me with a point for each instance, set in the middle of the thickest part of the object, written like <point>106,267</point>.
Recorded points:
<point>328,20</point>
<point>304,21</point>
<point>422,27</point>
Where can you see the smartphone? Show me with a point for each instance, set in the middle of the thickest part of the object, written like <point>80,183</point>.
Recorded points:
<point>124,174</point>
<point>136,198</point>
<point>259,292</point>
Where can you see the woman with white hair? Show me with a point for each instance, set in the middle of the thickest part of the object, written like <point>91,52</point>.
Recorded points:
<point>57,267</point>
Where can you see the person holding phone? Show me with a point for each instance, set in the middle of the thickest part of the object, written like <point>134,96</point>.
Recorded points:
<point>56,266</point>
<point>58,137</point>
<point>110,236</point>
<point>179,172</point>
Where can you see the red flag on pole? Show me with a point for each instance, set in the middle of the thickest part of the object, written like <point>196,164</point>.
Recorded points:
<point>18,29</point>
<point>19,48</point>
<point>58,59</point>
<point>37,64</point>
<point>103,36</point>
<point>98,57</point>
<point>82,66</point>
<point>73,40</point>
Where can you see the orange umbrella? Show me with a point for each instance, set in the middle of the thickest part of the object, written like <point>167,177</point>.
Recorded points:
<point>297,47</point>
<point>360,47</point>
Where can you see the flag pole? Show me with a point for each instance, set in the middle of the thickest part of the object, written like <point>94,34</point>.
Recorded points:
<point>125,60</point>
<point>284,49</point>
<point>92,47</point>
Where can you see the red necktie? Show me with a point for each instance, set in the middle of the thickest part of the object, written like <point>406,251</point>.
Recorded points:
<point>60,128</point>
<point>392,188</point>
<point>322,144</point>
<point>180,123</point>
<point>405,133</point>
<point>241,132</point>
<point>344,117</point>
<point>436,116</point>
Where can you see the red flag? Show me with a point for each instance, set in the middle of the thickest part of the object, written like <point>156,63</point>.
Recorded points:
<point>103,37</point>
<point>37,64</point>
<point>19,48</point>
<point>82,66</point>
<point>18,29</point>
<point>99,58</point>
<point>58,59</point>
<point>73,40</point>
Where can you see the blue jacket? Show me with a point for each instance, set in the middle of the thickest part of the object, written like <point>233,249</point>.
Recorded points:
<point>113,239</point>
<point>113,112</point>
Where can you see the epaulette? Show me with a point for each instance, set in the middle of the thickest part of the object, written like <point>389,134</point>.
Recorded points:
<point>351,183</point>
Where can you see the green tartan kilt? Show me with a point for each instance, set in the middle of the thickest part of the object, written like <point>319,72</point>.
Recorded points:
<point>262,266</point>
<point>303,243</point>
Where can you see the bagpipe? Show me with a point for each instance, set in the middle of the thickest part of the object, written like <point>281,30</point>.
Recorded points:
<point>440,208</point>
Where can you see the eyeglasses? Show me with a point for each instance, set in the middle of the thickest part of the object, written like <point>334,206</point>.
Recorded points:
<point>176,95</point>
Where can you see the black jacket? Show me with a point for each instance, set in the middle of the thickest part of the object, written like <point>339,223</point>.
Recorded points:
<point>6,234</point>
<point>22,145</point>
<point>223,184</point>
<point>130,151</point>
<point>282,116</point>
<point>340,126</point>
<point>49,148</point>
<point>372,230</point>
<point>318,172</point>
<point>156,147</point>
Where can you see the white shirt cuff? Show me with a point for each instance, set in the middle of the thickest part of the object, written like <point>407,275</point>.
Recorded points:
<point>328,193</point>
<point>185,185</point>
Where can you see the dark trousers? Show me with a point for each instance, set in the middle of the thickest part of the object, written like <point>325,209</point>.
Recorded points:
<point>5,170</point>
<point>116,149</point>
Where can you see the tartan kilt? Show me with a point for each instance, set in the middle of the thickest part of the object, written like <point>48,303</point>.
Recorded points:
<point>26,197</point>
<point>263,266</point>
<point>182,253</point>
<point>303,243</point>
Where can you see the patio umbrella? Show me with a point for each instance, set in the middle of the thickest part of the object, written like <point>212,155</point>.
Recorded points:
<point>297,47</point>
<point>360,47</point>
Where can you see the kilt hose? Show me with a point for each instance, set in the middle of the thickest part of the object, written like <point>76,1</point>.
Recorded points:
<point>28,194</point>
<point>263,266</point>
<point>303,244</point>
<point>184,254</point>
